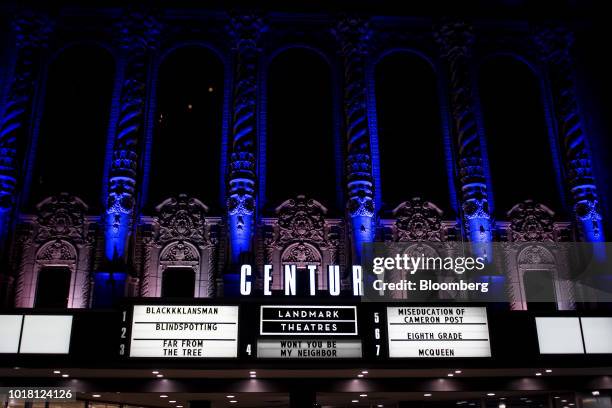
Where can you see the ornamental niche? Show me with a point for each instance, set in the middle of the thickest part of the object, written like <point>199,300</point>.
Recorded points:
<point>418,220</point>
<point>531,221</point>
<point>179,237</point>
<point>301,235</point>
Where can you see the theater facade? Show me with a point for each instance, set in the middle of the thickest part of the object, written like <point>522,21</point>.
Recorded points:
<point>193,197</point>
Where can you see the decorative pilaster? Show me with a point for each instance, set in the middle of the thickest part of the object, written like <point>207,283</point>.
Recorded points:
<point>245,31</point>
<point>554,44</point>
<point>31,34</point>
<point>456,39</point>
<point>139,33</point>
<point>353,35</point>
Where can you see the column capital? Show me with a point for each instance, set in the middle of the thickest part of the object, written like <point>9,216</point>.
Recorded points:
<point>32,30</point>
<point>139,30</point>
<point>353,34</point>
<point>455,38</point>
<point>554,42</point>
<point>245,29</point>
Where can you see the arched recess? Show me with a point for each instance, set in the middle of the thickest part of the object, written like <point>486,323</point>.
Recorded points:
<point>55,275</point>
<point>301,255</point>
<point>71,146</point>
<point>539,279</point>
<point>179,270</point>
<point>300,154</point>
<point>411,143</point>
<point>520,153</point>
<point>188,130</point>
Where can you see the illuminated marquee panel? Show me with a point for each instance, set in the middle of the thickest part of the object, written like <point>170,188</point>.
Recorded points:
<point>438,332</point>
<point>35,334</point>
<point>185,331</point>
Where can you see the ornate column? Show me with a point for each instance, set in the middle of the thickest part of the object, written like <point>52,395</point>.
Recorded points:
<point>139,34</point>
<point>353,35</point>
<point>245,31</point>
<point>31,35</point>
<point>554,44</point>
<point>455,39</point>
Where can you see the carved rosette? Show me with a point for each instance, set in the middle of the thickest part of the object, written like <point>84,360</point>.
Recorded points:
<point>530,221</point>
<point>418,220</point>
<point>31,33</point>
<point>455,39</point>
<point>139,33</point>
<point>353,35</point>
<point>181,218</point>
<point>245,31</point>
<point>554,44</point>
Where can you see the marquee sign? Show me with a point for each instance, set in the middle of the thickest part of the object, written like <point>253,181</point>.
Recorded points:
<point>185,331</point>
<point>309,349</point>
<point>290,320</point>
<point>438,332</point>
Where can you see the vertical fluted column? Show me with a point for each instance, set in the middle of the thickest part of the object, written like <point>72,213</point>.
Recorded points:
<point>455,39</point>
<point>554,44</point>
<point>353,35</point>
<point>245,31</point>
<point>31,35</point>
<point>139,33</point>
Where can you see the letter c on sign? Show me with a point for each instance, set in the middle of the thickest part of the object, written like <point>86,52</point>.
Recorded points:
<point>245,286</point>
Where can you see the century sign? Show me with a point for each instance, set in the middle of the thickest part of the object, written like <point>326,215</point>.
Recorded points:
<point>430,332</point>
<point>184,331</point>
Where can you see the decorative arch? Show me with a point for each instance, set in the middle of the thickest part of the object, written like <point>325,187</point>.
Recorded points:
<point>179,253</point>
<point>410,127</point>
<point>405,50</point>
<point>180,238</point>
<point>57,252</point>
<point>54,258</point>
<point>522,149</point>
<point>189,127</point>
<point>60,236</point>
<point>81,74</point>
<point>290,103</point>
<point>301,254</point>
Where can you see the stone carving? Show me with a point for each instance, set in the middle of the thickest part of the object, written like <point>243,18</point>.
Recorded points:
<point>180,252</point>
<point>301,233</point>
<point>418,220</point>
<point>139,33</point>
<point>554,43</point>
<point>353,35</point>
<point>301,219</point>
<point>57,250</point>
<point>301,255</point>
<point>181,218</point>
<point>245,31</point>
<point>456,38</point>
<point>534,254</point>
<point>530,221</point>
<point>31,31</point>
<point>61,216</point>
